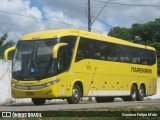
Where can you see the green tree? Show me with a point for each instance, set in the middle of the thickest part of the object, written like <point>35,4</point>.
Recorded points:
<point>4,44</point>
<point>148,31</point>
<point>122,33</point>
<point>145,32</point>
<point>3,39</point>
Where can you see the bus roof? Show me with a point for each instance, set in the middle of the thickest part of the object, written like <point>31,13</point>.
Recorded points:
<point>76,32</point>
<point>50,34</point>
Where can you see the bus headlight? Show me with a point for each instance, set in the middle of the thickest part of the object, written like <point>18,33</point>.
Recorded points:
<point>13,85</point>
<point>48,84</point>
<point>52,83</point>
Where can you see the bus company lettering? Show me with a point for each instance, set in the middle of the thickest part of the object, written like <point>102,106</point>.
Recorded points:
<point>141,70</point>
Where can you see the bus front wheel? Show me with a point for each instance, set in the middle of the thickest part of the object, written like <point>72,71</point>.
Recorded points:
<point>76,94</point>
<point>38,101</point>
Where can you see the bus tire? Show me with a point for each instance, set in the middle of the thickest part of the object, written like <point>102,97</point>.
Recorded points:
<point>133,94</point>
<point>38,101</point>
<point>141,93</point>
<point>76,95</point>
<point>104,99</point>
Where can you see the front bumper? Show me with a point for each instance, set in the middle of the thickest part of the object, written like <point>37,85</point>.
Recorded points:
<point>47,92</point>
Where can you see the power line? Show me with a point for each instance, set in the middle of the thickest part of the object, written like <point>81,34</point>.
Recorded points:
<point>103,22</point>
<point>15,20</point>
<point>101,11</point>
<point>138,5</point>
<point>14,24</point>
<point>125,4</point>
<point>38,19</point>
<point>97,19</point>
<point>11,24</point>
<point>42,19</point>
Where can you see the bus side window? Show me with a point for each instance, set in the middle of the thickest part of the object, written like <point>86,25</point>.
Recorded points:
<point>153,58</point>
<point>71,40</point>
<point>135,55</point>
<point>62,60</point>
<point>136,60</point>
<point>144,56</point>
<point>112,52</point>
<point>124,54</point>
<point>84,49</point>
<point>96,50</point>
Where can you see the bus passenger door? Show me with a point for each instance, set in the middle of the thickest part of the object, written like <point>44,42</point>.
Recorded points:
<point>62,66</point>
<point>61,88</point>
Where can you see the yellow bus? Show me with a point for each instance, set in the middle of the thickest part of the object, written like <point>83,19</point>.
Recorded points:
<point>71,63</point>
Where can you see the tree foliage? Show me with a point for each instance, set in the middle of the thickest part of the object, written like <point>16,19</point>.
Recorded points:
<point>122,33</point>
<point>143,32</point>
<point>5,43</point>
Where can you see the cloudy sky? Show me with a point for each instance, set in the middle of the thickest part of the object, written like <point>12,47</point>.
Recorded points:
<point>20,17</point>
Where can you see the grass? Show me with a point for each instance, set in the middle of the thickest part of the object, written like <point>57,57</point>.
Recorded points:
<point>128,108</point>
<point>101,111</point>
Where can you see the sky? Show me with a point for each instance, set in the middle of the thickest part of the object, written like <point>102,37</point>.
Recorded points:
<point>19,17</point>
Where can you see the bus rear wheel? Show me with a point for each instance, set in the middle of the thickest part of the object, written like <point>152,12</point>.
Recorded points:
<point>133,94</point>
<point>141,93</point>
<point>104,99</point>
<point>76,94</point>
<point>38,101</point>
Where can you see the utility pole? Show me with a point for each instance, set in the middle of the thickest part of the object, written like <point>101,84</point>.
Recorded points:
<point>89,25</point>
<point>89,15</point>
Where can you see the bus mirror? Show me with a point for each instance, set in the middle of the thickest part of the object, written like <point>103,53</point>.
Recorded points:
<point>6,52</point>
<point>56,48</point>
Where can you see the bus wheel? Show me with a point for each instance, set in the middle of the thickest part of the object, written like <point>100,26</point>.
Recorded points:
<point>38,101</point>
<point>104,99</point>
<point>133,95</point>
<point>76,94</point>
<point>141,93</point>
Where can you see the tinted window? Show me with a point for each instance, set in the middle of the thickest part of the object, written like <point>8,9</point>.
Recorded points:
<point>105,51</point>
<point>124,53</point>
<point>153,57</point>
<point>84,49</point>
<point>135,55</point>
<point>112,52</point>
<point>145,55</point>
<point>71,40</point>
<point>101,50</point>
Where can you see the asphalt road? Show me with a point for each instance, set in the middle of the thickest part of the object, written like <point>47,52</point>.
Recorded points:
<point>82,105</point>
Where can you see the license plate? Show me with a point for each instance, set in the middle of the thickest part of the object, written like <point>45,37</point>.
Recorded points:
<point>29,93</point>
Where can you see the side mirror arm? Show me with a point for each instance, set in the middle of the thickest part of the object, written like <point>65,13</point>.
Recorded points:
<point>56,48</point>
<point>6,52</point>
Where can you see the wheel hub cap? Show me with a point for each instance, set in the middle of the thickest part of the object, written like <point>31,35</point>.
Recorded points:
<point>75,93</point>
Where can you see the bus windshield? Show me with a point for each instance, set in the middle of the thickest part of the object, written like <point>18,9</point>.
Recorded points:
<point>33,59</point>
